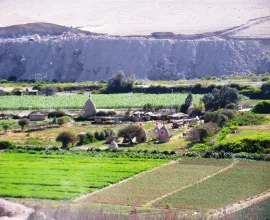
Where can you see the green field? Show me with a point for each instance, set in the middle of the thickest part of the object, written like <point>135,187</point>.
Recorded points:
<point>247,178</point>
<point>63,176</point>
<point>147,187</point>
<point>112,101</point>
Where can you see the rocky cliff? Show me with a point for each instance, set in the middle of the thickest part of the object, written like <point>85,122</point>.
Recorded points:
<point>82,57</point>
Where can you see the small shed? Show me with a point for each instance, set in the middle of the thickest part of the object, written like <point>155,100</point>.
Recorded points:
<point>37,116</point>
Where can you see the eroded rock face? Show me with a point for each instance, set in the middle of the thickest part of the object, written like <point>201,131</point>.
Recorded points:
<point>82,57</point>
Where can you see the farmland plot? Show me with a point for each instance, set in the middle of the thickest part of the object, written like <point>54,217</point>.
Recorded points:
<point>63,176</point>
<point>245,179</point>
<point>149,186</point>
<point>110,101</point>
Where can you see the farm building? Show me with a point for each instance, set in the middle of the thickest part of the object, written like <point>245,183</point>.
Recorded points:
<point>108,120</point>
<point>37,116</point>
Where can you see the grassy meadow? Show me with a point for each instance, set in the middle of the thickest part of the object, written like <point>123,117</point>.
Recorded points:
<point>63,176</point>
<point>107,101</point>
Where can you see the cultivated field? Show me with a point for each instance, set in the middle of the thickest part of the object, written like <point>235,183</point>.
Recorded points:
<point>145,188</point>
<point>111,101</point>
<point>63,176</point>
<point>245,179</point>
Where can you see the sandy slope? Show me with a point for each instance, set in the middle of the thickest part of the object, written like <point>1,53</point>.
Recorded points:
<point>136,17</point>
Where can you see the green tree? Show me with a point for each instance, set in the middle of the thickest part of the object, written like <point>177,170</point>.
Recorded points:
<point>119,83</point>
<point>129,132</point>
<point>66,138</point>
<point>49,90</point>
<point>188,101</point>
<point>23,122</point>
<point>219,98</point>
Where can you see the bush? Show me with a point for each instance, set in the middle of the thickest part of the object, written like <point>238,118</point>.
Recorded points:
<point>66,138</point>
<point>262,107</point>
<point>63,120</point>
<point>6,144</point>
<point>6,127</point>
<point>231,106</point>
<point>86,138</point>
<point>103,134</point>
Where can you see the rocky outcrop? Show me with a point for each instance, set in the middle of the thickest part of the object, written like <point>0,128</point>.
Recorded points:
<point>81,57</point>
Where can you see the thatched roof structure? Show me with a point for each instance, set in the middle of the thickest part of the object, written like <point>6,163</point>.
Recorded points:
<point>89,108</point>
<point>164,134</point>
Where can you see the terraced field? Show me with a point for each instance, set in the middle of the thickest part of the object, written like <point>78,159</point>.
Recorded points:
<point>110,101</point>
<point>245,179</point>
<point>63,176</point>
<point>190,184</point>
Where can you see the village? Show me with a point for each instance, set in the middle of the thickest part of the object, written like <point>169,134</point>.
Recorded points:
<point>161,124</point>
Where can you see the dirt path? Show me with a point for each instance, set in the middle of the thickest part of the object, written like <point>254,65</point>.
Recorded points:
<point>84,197</point>
<point>184,187</point>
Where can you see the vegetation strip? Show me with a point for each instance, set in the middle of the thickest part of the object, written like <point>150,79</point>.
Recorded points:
<point>110,101</point>
<point>184,187</point>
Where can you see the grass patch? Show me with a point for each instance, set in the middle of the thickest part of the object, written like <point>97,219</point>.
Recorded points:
<point>63,176</point>
<point>243,180</point>
<point>145,188</point>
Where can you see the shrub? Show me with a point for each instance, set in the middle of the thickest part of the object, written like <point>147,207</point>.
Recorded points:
<point>86,138</point>
<point>66,138</point>
<point>6,144</point>
<point>199,148</point>
<point>262,107</point>
<point>23,122</point>
<point>63,120</point>
<point>201,132</point>
<point>231,106</point>
<point>5,127</point>
<point>49,90</point>
<point>253,144</point>
<point>247,118</point>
